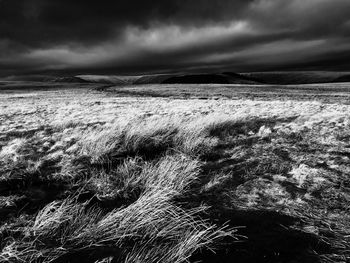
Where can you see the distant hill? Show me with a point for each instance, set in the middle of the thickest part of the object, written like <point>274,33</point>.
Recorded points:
<point>345,78</point>
<point>125,80</point>
<point>103,79</point>
<point>256,78</point>
<point>153,79</point>
<point>69,80</point>
<point>34,78</point>
<point>253,78</point>
<point>299,77</point>
<point>46,78</point>
<point>220,78</point>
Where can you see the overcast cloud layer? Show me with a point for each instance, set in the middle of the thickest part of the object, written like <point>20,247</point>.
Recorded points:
<point>135,36</point>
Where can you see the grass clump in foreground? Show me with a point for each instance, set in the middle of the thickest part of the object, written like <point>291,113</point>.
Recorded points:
<point>171,189</point>
<point>149,230</point>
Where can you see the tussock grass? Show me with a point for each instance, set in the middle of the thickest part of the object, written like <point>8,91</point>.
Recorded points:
<point>135,176</point>
<point>130,137</point>
<point>161,188</point>
<point>152,223</point>
<point>149,137</point>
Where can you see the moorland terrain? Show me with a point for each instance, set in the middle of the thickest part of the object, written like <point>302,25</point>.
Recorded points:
<point>92,171</point>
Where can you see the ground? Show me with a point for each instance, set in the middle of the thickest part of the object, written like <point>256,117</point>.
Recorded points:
<point>174,173</point>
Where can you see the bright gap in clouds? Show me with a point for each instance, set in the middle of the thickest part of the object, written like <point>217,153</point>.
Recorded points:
<point>159,38</point>
<point>165,37</point>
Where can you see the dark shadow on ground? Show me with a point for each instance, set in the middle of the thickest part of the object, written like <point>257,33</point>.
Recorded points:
<point>268,237</point>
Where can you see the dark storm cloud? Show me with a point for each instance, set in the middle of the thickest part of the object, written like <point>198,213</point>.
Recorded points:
<point>135,35</point>
<point>42,21</point>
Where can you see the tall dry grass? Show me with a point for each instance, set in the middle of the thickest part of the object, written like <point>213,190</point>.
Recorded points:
<point>152,223</point>
<point>131,176</point>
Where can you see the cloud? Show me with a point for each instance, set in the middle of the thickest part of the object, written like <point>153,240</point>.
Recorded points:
<point>137,36</point>
<point>52,21</point>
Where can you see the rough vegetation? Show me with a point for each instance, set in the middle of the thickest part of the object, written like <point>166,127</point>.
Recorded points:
<point>326,93</point>
<point>85,175</point>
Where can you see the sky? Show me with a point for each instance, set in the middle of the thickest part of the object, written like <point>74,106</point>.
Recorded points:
<point>156,36</point>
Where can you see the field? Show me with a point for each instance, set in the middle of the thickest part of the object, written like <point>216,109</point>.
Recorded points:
<point>338,93</point>
<point>174,173</point>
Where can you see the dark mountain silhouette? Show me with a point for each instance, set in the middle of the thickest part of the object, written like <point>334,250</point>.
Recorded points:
<point>219,78</point>
<point>70,80</point>
<point>222,78</point>
<point>345,78</point>
<point>298,77</point>
<point>254,78</point>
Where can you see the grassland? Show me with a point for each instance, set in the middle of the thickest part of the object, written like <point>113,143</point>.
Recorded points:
<point>338,93</point>
<point>174,173</point>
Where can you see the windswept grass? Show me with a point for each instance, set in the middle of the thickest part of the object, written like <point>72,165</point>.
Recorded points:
<point>64,230</point>
<point>176,184</point>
